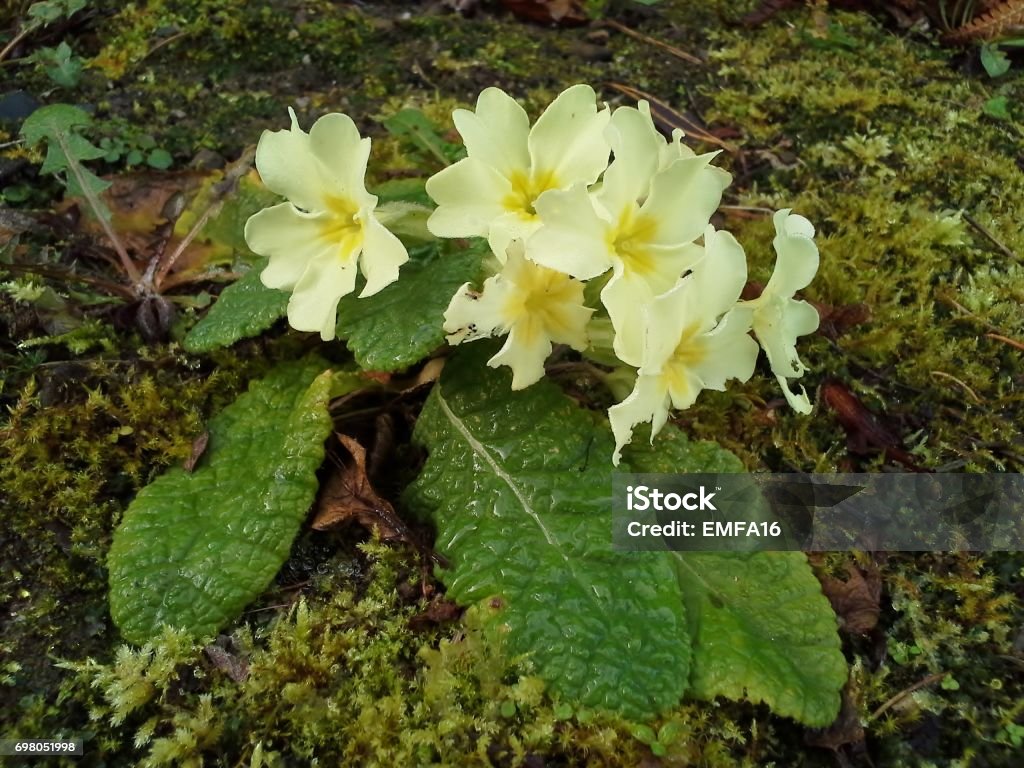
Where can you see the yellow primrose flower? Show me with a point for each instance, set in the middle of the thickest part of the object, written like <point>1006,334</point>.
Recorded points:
<point>778,318</point>
<point>327,230</point>
<point>493,192</point>
<point>686,346</point>
<point>533,305</point>
<point>654,201</point>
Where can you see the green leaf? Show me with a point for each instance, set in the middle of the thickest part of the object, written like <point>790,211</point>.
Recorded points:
<point>49,122</point>
<point>408,190</point>
<point>60,64</point>
<point>160,159</point>
<point>194,549</point>
<point>994,60</point>
<point>412,125</point>
<point>519,487</point>
<point>228,226</point>
<point>998,108</point>
<point>762,630</point>
<point>760,626</point>
<point>245,308</point>
<point>46,12</point>
<point>401,324</point>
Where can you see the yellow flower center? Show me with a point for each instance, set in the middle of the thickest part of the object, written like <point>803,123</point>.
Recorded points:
<point>541,303</point>
<point>631,239</point>
<point>689,352</point>
<point>342,226</point>
<point>525,191</point>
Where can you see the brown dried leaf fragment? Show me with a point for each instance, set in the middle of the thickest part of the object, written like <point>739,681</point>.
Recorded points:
<point>846,731</point>
<point>856,600</point>
<point>198,449</point>
<point>837,320</point>
<point>864,431</point>
<point>439,611</point>
<point>564,13</point>
<point>348,495</point>
<point>1003,20</point>
<point>236,668</point>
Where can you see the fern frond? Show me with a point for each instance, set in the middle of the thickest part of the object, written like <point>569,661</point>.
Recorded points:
<point>1003,19</point>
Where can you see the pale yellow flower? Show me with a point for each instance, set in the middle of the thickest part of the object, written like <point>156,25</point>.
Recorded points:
<point>694,337</point>
<point>779,319</point>
<point>535,306</point>
<point>654,201</point>
<point>493,192</point>
<point>327,230</point>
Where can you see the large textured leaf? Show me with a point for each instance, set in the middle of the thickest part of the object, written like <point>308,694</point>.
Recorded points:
<point>245,308</point>
<point>761,627</point>
<point>519,486</point>
<point>194,549</point>
<point>401,325</point>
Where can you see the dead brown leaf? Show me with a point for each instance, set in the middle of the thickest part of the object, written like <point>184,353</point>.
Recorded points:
<point>236,668</point>
<point>845,731</point>
<point>348,496</point>
<point>198,449</point>
<point>864,430</point>
<point>855,600</point>
<point>564,13</point>
<point>439,611</point>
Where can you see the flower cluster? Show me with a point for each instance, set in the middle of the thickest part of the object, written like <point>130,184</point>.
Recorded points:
<point>584,194</point>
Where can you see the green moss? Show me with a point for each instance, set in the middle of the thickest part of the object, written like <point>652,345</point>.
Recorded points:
<point>79,439</point>
<point>339,676</point>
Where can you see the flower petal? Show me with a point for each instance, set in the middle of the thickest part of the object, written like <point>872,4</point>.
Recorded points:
<point>314,303</point>
<point>625,297</point>
<point>290,238</point>
<point>648,401</point>
<point>800,403</point>
<point>469,196</point>
<point>567,142</point>
<point>471,315</point>
<point>683,197</point>
<point>496,134</point>
<point>287,166</point>
<point>797,260</point>
<point>664,319</point>
<point>525,351</point>
<point>342,155</point>
<point>572,239</point>
<point>720,276</point>
<point>508,227</point>
<point>382,255</point>
<point>777,326</point>
<point>731,352</point>
<point>637,146</point>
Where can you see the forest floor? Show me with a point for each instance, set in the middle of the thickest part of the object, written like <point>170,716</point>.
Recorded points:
<point>907,157</point>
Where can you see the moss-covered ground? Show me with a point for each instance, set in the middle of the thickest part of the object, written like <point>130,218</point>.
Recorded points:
<point>887,142</point>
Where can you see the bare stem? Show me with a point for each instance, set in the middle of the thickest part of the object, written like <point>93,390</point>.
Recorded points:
<point>98,209</point>
<point>161,273</point>
<point>15,40</point>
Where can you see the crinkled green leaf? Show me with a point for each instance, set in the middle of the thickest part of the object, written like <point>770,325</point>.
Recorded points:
<point>760,626</point>
<point>194,549</point>
<point>519,487</point>
<point>401,324</point>
<point>245,308</point>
